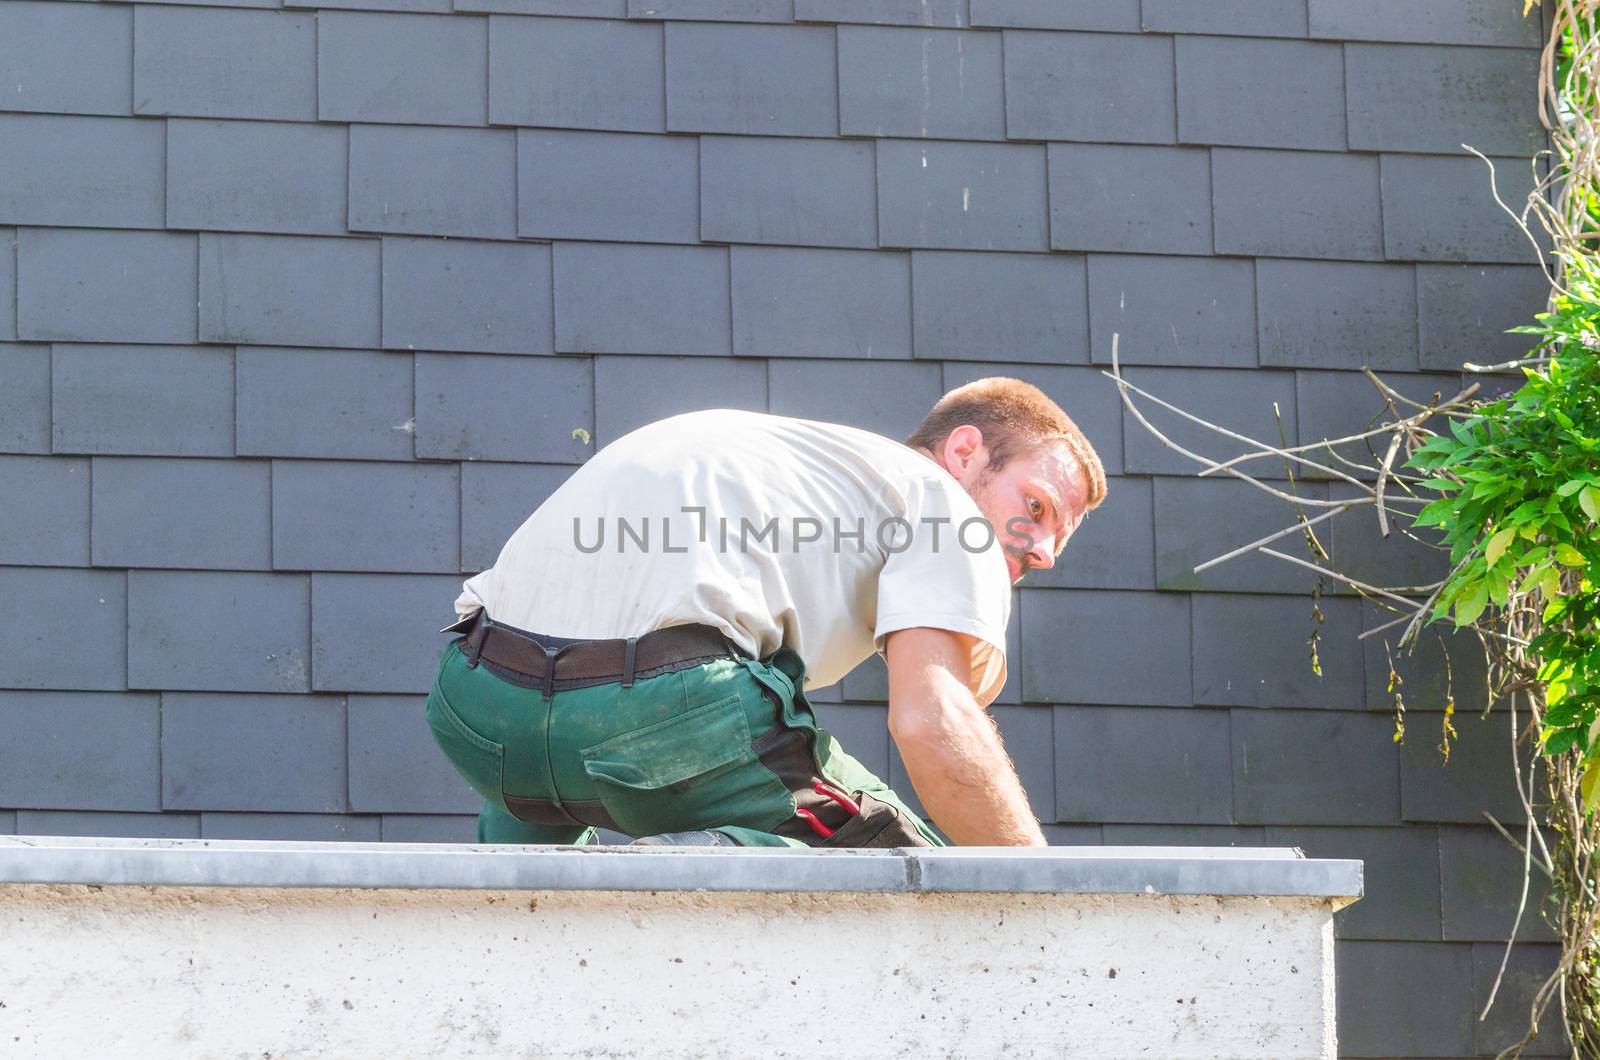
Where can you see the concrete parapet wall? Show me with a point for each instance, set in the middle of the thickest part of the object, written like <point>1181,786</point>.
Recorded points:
<point>948,964</point>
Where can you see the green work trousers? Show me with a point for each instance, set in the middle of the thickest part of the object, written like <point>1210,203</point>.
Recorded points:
<point>728,745</point>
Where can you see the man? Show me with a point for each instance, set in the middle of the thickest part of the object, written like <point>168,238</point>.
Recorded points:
<point>637,658</point>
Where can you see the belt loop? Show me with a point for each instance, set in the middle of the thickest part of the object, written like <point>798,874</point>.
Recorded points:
<point>475,639</point>
<point>627,661</point>
<point>550,671</point>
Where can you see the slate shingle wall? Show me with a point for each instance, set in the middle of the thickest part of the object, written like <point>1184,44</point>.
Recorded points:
<point>304,306</point>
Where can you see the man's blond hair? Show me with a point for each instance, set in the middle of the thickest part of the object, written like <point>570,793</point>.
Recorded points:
<point>1016,418</point>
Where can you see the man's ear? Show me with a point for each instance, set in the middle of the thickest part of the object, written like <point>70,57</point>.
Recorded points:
<point>961,448</point>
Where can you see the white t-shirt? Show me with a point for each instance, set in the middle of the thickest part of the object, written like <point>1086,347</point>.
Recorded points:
<point>767,550</point>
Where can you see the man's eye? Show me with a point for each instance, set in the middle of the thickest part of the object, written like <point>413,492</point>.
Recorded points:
<point>1035,507</point>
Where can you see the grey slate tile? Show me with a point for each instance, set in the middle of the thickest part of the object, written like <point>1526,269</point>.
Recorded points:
<point>8,822</point>
<point>225,64</point>
<point>1297,204</point>
<point>641,299</point>
<point>1090,86</point>
<point>221,3</point>
<point>1261,93</point>
<point>81,172</point>
<point>962,196</point>
<point>592,9</point>
<point>1341,404</point>
<point>252,176</point>
<point>457,294</point>
<point>1443,209</point>
<point>1173,311</point>
<point>1112,549</point>
<point>1124,632</point>
<point>752,80</point>
<point>1337,314</point>
<point>792,191</point>
<point>1240,401</point>
<point>861,731</point>
<point>1478,779</point>
<point>84,285</point>
<point>714,10</point>
<point>428,828</point>
<point>108,823</point>
<point>1120,16</point>
<point>218,632</point>
<point>1082,392</point>
<point>869,682</point>
<point>792,302</point>
<point>305,827</point>
<point>1400,871</point>
<point>1252,651</point>
<point>46,501</point>
<point>157,400</point>
<point>289,290</point>
<point>1427,681</point>
<point>949,14</point>
<point>495,500</point>
<point>76,751</point>
<point>1242,18</point>
<point>886,398</point>
<point>1424,21</point>
<point>904,82</point>
<point>379,632</point>
<point>1028,734</point>
<point>630,392</point>
<point>433,181</point>
<point>415,68</point>
<point>281,753</point>
<point>341,404</point>
<point>191,514</point>
<point>1379,1013</point>
<point>395,765</point>
<point>1464,311</point>
<point>67,58</point>
<point>504,408</point>
<point>577,74</point>
<point>414,6</point>
<point>1142,765</point>
<point>42,608</point>
<point>1481,884</point>
<point>1198,520</point>
<point>334,515</point>
<point>1301,768</point>
<point>1182,835</point>
<point>24,398</point>
<point>590,185</point>
<point>1154,200</point>
<point>1422,98</point>
<point>977,305</point>
<point>1526,971</point>
<point>1071,835</point>
<point>8,284</point>
<point>1404,558</point>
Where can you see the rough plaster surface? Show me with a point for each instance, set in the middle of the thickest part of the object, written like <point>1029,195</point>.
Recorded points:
<point>269,972</point>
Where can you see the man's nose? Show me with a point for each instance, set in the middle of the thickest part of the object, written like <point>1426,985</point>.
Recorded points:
<point>1042,555</point>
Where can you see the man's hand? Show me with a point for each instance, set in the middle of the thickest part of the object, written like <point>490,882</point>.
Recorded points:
<point>950,746</point>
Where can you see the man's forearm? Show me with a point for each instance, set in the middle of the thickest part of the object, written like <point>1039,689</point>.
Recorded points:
<point>965,780</point>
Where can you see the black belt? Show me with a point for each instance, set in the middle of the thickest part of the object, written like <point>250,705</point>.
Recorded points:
<point>579,663</point>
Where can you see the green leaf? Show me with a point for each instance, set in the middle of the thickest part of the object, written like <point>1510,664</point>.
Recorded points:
<point>1497,545</point>
<point>1589,501</point>
<point>1471,602</point>
<point>1569,556</point>
<point>1589,784</point>
<point>1567,489</point>
<point>1560,740</point>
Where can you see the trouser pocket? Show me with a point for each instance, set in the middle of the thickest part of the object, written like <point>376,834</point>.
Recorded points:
<point>695,770</point>
<point>877,825</point>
